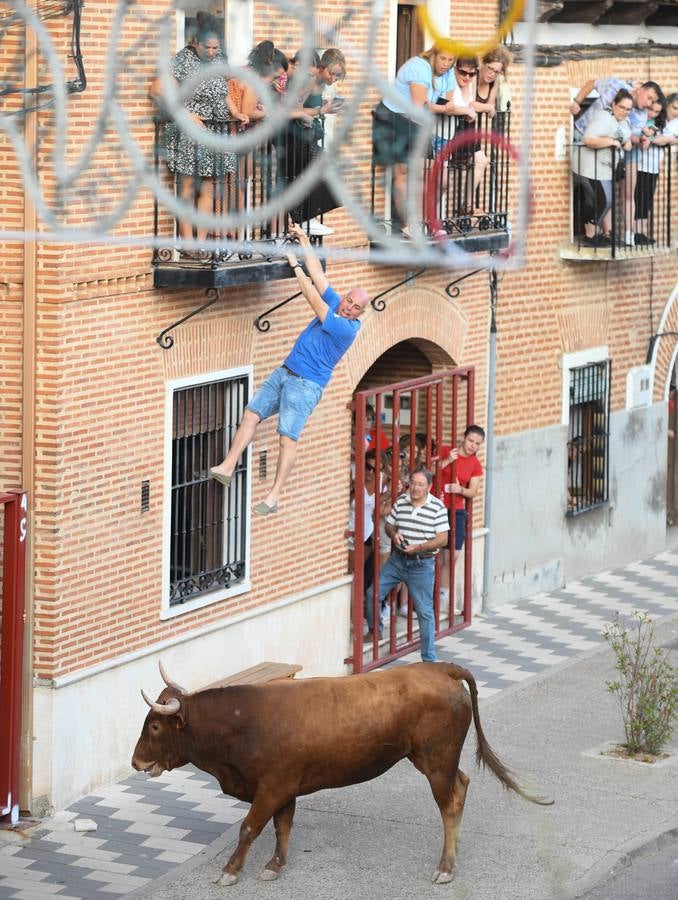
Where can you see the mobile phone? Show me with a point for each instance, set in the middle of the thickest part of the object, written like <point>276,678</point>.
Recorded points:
<point>338,101</point>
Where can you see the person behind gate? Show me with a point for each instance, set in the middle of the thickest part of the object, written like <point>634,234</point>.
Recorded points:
<point>418,527</point>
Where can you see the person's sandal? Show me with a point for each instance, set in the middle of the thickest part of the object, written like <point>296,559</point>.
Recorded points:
<point>221,478</point>
<point>263,509</point>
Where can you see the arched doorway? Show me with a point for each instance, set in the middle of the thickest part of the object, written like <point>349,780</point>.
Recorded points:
<point>408,403</point>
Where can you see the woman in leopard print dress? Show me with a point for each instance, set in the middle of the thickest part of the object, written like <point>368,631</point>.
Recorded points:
<point>209,105</point>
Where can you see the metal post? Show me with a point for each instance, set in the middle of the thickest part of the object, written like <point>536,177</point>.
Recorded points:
<point>11,659</point>
<point>489,450</point>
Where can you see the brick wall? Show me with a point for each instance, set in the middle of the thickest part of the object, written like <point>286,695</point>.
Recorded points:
<point>102,377</point>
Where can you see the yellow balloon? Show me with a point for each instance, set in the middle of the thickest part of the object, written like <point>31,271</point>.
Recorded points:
<point>462,49</point>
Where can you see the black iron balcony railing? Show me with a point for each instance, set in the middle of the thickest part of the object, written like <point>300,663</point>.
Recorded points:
<point>621,201</point>
<point>471,187</point>
<point>223,184</point>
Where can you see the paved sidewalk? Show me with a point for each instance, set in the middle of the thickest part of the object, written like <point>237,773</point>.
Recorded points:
<point>159,837</point>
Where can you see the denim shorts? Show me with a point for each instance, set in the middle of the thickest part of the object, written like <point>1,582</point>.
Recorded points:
<point>293,398</point>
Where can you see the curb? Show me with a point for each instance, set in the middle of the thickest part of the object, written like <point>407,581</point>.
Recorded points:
<point>616,860</point>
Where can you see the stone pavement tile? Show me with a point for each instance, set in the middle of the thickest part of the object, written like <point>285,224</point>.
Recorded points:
<point>38,895</point>
<point>102,865</point>
<point>20,882</point>
<point>174,857</point>
<point>179,846</point>
<point>130,882</point>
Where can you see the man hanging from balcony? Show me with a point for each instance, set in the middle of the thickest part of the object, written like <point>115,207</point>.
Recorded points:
<point>294,389</point>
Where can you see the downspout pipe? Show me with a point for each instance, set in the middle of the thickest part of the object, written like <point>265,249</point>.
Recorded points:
<point>28,378</point>
<point>489,446</point>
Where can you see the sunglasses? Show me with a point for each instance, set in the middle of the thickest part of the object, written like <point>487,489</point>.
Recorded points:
<point>466,73</point>
<point>494,71</point>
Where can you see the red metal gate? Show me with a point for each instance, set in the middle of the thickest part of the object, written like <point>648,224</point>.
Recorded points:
<point>11,648</point>
<point>414,418</point>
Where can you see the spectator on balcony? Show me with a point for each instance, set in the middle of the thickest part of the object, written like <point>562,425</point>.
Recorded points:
<point>293,390</point>
<point>296,62</point>
<point>304,140</point>
<point>493,66</point>
<point>607,135</point>
<point>268,65</point>
<point>464,107</point>
<point>423,81</point>
<point>211,107</point>
<point>648,163</point>
<point>643,96</point>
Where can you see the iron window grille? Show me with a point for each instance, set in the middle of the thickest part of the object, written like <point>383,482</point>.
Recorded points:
<point>588,447</point>
<point>208,541</point>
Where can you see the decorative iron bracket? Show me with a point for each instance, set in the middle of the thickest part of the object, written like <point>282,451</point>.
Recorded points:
<point>378,304</point>
<point>452,290</point>
<point>262,324</point>
<point>166,340</point>
<point>653,341</point>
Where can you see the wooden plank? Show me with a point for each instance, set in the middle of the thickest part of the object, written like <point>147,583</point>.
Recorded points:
<point>262,673</point>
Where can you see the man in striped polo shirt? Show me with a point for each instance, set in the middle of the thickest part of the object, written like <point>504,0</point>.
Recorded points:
<point>419,527</point>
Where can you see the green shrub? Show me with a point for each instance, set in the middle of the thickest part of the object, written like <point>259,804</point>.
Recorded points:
<point>647,686</point>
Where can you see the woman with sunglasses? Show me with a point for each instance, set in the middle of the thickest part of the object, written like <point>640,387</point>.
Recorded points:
<point>471,157</point>
<point>427,81</point>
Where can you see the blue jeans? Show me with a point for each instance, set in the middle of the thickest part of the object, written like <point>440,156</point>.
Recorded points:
<point>418,575</point>
<point>292,397</point>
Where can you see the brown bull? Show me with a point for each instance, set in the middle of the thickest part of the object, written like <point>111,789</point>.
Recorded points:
<point>269,744</point>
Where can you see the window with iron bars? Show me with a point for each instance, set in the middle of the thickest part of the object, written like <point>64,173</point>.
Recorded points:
<point>588,447</point>
<point>209,524</point>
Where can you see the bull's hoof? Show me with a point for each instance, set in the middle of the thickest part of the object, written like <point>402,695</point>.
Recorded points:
<point>227,878</point>
<point>439,877</point>
<point>268,875</point>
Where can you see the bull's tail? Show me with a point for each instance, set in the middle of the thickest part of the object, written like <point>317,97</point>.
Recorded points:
<point>485,755</point>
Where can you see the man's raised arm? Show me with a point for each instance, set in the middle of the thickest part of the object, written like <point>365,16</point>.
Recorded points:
<point>308,289</point>
<point>313,265</point>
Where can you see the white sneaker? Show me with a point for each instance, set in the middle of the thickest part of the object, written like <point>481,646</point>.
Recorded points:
<point>316,228</point>
<point>444,595</point>
<point>630,239</point>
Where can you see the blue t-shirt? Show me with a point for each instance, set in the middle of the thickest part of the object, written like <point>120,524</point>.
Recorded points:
<point>321,345</point>
<point>418,71</point>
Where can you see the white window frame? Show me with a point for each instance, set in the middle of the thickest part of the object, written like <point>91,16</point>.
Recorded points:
<point>575,361</point>
<point>243,586</point>
<point>239,25</point>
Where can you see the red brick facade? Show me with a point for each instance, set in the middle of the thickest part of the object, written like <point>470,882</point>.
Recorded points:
<point>101,378</point>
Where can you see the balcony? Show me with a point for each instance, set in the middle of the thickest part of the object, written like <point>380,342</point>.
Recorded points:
<point>622,203</point>
<point>470,189</point>
<point>230,184</point>
<point>471,200</point>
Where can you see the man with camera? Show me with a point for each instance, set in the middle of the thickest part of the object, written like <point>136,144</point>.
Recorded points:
<point>419,527</point>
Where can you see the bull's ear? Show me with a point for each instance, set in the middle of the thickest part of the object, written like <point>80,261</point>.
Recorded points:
<point>179,721</point>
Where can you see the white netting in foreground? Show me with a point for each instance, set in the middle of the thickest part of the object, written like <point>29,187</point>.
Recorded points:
<point>106,165</point>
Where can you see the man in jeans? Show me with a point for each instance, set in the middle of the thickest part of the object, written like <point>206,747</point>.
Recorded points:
<point>418,527</point>
<point>293,390</point>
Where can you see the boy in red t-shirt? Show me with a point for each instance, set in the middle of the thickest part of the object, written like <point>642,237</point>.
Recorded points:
<point>458,488</point>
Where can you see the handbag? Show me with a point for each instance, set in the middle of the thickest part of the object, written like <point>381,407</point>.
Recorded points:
<point>620,170</point>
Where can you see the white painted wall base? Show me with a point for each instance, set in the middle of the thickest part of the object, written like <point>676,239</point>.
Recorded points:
<point>535,546</point>
<point>86,724</point>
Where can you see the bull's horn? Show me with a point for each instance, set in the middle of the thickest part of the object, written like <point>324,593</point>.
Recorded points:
<point>168,682</point>
<point>170,708</point>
